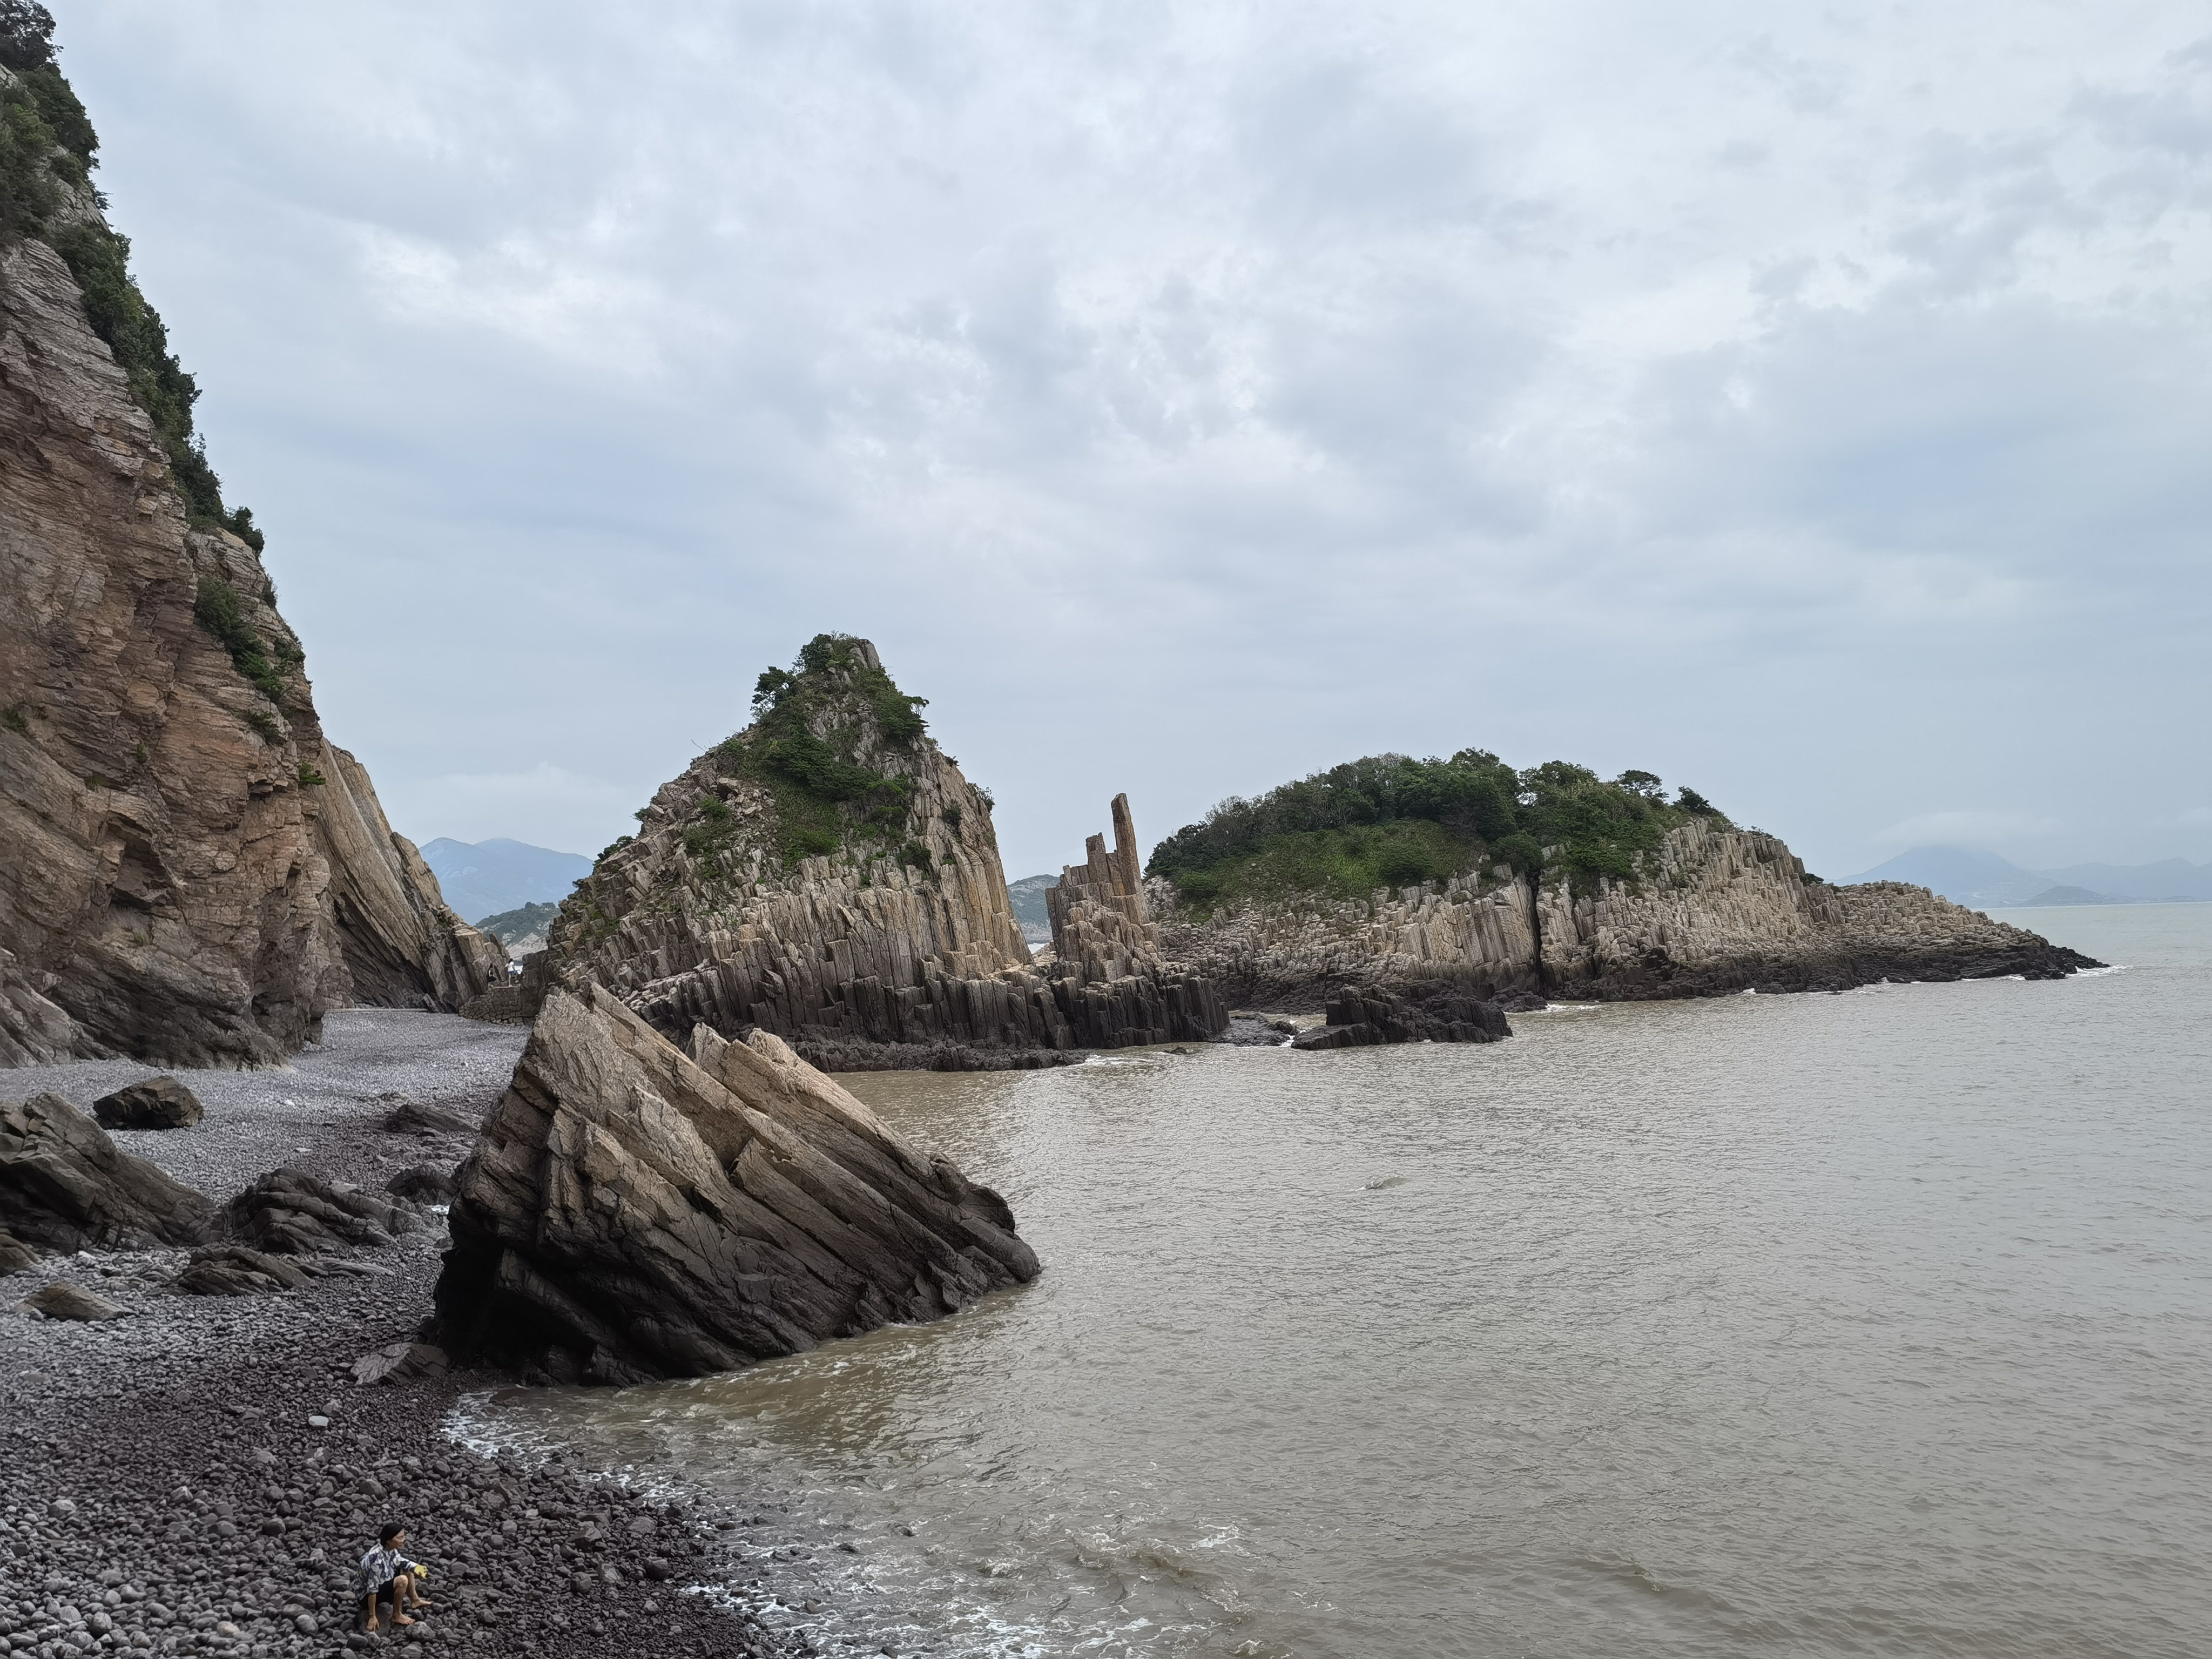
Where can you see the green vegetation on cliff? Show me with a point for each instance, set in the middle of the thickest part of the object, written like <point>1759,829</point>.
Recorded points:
<point>821,729</point>
<point>1392,821</point>
<point>47,151</point>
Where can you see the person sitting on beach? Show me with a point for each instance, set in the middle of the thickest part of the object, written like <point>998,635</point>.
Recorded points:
<point>388,1576</point>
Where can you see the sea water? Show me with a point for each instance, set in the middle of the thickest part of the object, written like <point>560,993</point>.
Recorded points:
<point>1869,1323</point>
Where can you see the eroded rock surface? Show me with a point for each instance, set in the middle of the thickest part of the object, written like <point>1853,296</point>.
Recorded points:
<point>190,871</point>
<point>65,1186</point>
<point>1713,911</point>
<point>632,1211</point>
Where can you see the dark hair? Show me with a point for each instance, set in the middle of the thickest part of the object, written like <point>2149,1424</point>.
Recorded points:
<point>392,1530</point>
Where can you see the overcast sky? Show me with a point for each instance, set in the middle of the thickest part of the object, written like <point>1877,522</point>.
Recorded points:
<point>1806,402</point>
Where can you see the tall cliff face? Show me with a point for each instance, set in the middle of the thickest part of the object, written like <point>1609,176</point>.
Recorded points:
<point>1712,910</point>
<point>827,875</point>
<point>189,871</point>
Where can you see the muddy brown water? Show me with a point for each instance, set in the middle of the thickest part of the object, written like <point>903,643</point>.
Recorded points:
<point>1877,1323</point>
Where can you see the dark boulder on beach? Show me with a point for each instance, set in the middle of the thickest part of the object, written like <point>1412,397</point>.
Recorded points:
<point>422,1183</point>
<point>65,1186</point>
<point>63,1300</point>
<point>293,1213</point>
<point>412,1117</point>
<point>159,1103</point>
<point>1439,1014</point>
<point>631,1212</point>
<point>236,1270</point>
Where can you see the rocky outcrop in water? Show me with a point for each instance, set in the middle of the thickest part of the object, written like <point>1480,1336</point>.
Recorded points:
<point>1420,1013</point>
<point>1714,910</point>
<point>631,1210</point>
<point>189,872</point>
<point>65,1186</point>
<point>828,875</point>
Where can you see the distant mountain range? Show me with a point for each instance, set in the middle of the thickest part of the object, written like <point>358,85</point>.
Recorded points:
<point>1984,880</point>
<point>499,875</point>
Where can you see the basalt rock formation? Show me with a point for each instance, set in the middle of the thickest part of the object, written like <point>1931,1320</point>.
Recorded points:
<point>633,1211</point>
<point>1711,911</point>
<point>827,875</point>
<point>1106,951</point>
<point>190,871</point>
<point>65,1186</point>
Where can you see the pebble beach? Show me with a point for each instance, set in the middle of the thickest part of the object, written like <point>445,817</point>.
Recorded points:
<point>198,1474</point>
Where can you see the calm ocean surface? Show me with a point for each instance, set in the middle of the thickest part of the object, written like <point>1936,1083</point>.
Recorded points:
<point>1877,1323</point>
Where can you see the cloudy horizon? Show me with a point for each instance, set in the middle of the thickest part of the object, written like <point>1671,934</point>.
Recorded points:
<point>1810,410</point>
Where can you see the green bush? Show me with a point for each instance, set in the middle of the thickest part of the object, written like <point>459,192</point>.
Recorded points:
<point>217,608</point>
<point>1392,821</point>
<point>812,724</point>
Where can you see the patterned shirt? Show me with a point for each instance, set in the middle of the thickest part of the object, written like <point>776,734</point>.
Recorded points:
<point>380,1567</point>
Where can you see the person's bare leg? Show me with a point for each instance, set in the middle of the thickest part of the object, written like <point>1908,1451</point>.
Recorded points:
<point>399,1588</point>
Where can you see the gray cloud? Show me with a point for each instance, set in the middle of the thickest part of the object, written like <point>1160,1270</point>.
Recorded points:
<point>1187,397</point>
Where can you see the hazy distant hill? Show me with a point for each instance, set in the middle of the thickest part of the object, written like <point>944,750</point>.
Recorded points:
<point>522,931</point>
<point>2064,896</point>
<point>1962,877</point>
<point>1983,879</point>
<point>499,875</point>
<point>1028,894</point>
<point>2169,878</point>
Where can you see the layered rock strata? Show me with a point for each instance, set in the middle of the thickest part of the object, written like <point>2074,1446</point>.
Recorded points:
<point>65,1186</point>
<point>632,1211</point>
<point>189,872</point>
<point>832,878</point>
<point>1712,911</point>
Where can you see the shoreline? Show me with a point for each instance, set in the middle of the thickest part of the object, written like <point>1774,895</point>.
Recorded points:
<point>163,1490</point>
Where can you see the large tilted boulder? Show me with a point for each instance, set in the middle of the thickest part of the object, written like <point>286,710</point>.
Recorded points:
<point>631,1212</point>
<point>65,1186</point>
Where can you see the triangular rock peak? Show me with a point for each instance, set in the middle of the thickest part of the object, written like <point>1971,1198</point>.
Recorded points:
<point>633,1211</point>
<point>828,875</point>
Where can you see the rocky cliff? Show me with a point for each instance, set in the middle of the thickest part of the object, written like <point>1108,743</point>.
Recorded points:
<point>190,871</point>
<point>1710,910</point>
<point>827,875</point>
